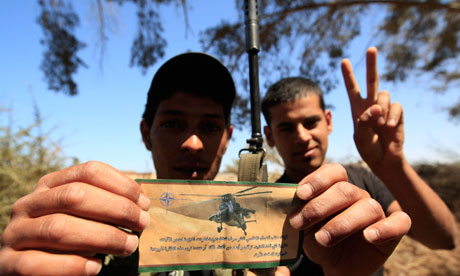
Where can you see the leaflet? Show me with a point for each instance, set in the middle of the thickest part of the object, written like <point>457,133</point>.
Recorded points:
<point>199,225</point>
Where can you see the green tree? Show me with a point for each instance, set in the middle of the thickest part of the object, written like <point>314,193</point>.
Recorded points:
<point>308,37</point>
<point>59,20</point>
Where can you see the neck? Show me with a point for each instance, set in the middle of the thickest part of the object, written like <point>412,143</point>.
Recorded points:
<point>296,176</point>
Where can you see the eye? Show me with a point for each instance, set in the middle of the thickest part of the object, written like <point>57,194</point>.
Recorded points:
<point>310,124</point>
<point>211,127</point>
<point>173,124</point>
<point>285,128</point>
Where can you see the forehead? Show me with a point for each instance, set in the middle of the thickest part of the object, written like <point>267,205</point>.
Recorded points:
<point>303,106</point>
<point>181,103</point>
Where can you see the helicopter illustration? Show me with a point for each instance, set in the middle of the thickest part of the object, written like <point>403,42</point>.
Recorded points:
<point>230,211</point>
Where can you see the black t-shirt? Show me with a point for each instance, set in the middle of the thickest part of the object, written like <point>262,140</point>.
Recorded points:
<point>362,178</point>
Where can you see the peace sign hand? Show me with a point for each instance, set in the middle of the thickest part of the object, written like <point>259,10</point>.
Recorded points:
<point>378,123</point>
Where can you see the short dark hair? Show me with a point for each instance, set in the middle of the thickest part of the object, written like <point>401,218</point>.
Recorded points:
<point>197,74</point>
<point>289,89</point>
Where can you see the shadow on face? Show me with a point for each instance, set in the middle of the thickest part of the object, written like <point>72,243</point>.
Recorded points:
<point>188,137</point>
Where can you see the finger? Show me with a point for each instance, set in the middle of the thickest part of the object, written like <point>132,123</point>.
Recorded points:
<point>365,135</point>
<point>392,228</point>
<point>100,175</point>
<point>350,82</point>
<point>282,271</point>
<point>358,216</point>
<point>395,115</point>
<point>67,233</point>
<point>33,262</point>
<point>84,201</point>
<point>276,271</point>
<point>319,180</point>
<point>338,197</point>
<point>270,271</point>
<point>371,115</point>
<point>383,99</point>
<point>372,76</point>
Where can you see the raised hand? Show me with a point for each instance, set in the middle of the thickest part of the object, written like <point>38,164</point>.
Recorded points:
<point>378,123</point>
<point>345,231</point>
<point>72,215</point>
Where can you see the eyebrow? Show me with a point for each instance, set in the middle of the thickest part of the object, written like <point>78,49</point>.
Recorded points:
<point>283,124</point>
<point>288,123</point>
<point>175,112</point>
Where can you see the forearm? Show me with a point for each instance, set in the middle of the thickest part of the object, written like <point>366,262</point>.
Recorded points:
<point>432,222</point>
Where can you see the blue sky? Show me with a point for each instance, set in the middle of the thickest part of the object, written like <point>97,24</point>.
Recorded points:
<point>102,122</point>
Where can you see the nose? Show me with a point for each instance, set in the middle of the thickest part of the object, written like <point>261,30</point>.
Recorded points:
<point>192,144</point>
<point>303,134</point>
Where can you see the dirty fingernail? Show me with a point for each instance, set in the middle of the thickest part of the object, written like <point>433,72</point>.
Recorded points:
<point>93,267</point>
<point>305,191</point>
<point>296,220</point>
<point>131,244</point>
<point>371,235</point>
<point>144,219</point>
<point>143,202</point>
<point>323,237</point>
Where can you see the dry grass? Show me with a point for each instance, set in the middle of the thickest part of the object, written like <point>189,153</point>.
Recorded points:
<point>26,154</point>
<point>412,258</point>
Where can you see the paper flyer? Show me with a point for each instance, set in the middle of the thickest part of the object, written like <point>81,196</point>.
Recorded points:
<point>197,225</point>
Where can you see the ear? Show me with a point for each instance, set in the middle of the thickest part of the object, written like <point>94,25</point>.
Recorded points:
<point>229,136</point>
<point>330,127</point>
<point>145,131</point>
<point>269,136</point>
<point>229,132</point>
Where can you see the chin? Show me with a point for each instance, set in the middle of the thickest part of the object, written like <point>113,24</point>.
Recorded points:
<point>198,176</point>
<point>310,166</point>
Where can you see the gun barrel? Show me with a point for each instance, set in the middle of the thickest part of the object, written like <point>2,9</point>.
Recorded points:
<point>255,97</point>
<point>252,25</point>
<point>252,48</point>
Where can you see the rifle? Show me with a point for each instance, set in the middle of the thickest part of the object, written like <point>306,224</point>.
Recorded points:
<point>251,166</point>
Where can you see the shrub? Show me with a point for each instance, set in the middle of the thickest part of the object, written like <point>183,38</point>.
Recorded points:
<point>26,154</point>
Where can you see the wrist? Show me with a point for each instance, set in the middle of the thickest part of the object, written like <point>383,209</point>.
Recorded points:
<point>393,171</point>
<point>391,165</point>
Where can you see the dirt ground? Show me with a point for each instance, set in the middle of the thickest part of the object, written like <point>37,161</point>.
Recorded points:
<point>411,257</point>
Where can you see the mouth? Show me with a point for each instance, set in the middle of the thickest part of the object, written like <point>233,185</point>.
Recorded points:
<point>191,172</point>
<point>306,153</point>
